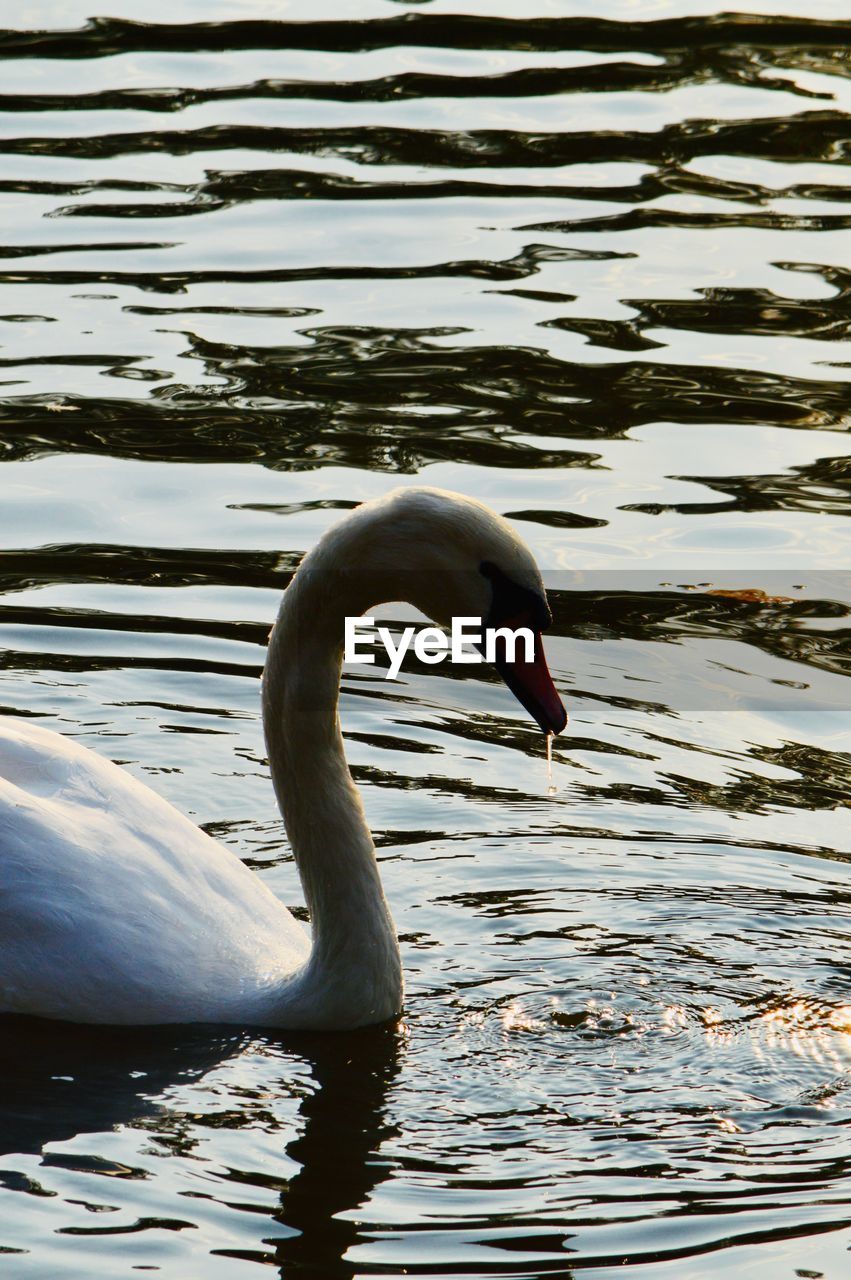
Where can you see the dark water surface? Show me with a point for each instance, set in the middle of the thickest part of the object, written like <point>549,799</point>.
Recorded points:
<point>592,264</point>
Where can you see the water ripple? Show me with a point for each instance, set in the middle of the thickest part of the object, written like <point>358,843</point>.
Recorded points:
<point>592,270</point>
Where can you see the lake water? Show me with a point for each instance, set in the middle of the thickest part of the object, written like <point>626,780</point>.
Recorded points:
<point>588,262</point>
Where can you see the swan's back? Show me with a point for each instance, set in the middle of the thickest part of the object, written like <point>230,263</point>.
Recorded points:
<point>115,908</point>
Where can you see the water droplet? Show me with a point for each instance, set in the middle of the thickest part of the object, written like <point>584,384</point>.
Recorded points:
<point>551,787</point>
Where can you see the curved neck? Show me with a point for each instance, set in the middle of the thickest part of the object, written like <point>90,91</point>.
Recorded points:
<point>354,972</point>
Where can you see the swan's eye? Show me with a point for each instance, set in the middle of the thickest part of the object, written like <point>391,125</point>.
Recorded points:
<point>513,603</point>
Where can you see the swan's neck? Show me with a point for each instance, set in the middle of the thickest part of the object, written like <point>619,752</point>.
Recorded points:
<point>354,973</point>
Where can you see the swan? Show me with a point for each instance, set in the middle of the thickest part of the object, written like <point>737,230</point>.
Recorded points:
<point>116,909</point>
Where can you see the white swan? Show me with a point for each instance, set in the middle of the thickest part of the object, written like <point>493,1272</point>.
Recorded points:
<point>115,908</point>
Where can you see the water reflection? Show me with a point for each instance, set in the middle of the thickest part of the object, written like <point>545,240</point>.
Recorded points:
<point>61,1082</point>
<point>58,1080</point>
<point>373,399</point>
<point>345,1123</point>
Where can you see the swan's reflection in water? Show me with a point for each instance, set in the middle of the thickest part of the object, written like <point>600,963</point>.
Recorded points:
<point>59,1081</point>
<point>345,1124</point>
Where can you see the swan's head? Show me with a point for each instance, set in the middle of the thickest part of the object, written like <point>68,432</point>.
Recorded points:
<point>451,556</point>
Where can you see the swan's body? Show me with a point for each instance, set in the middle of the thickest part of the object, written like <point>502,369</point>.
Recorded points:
<point>115,908</point>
